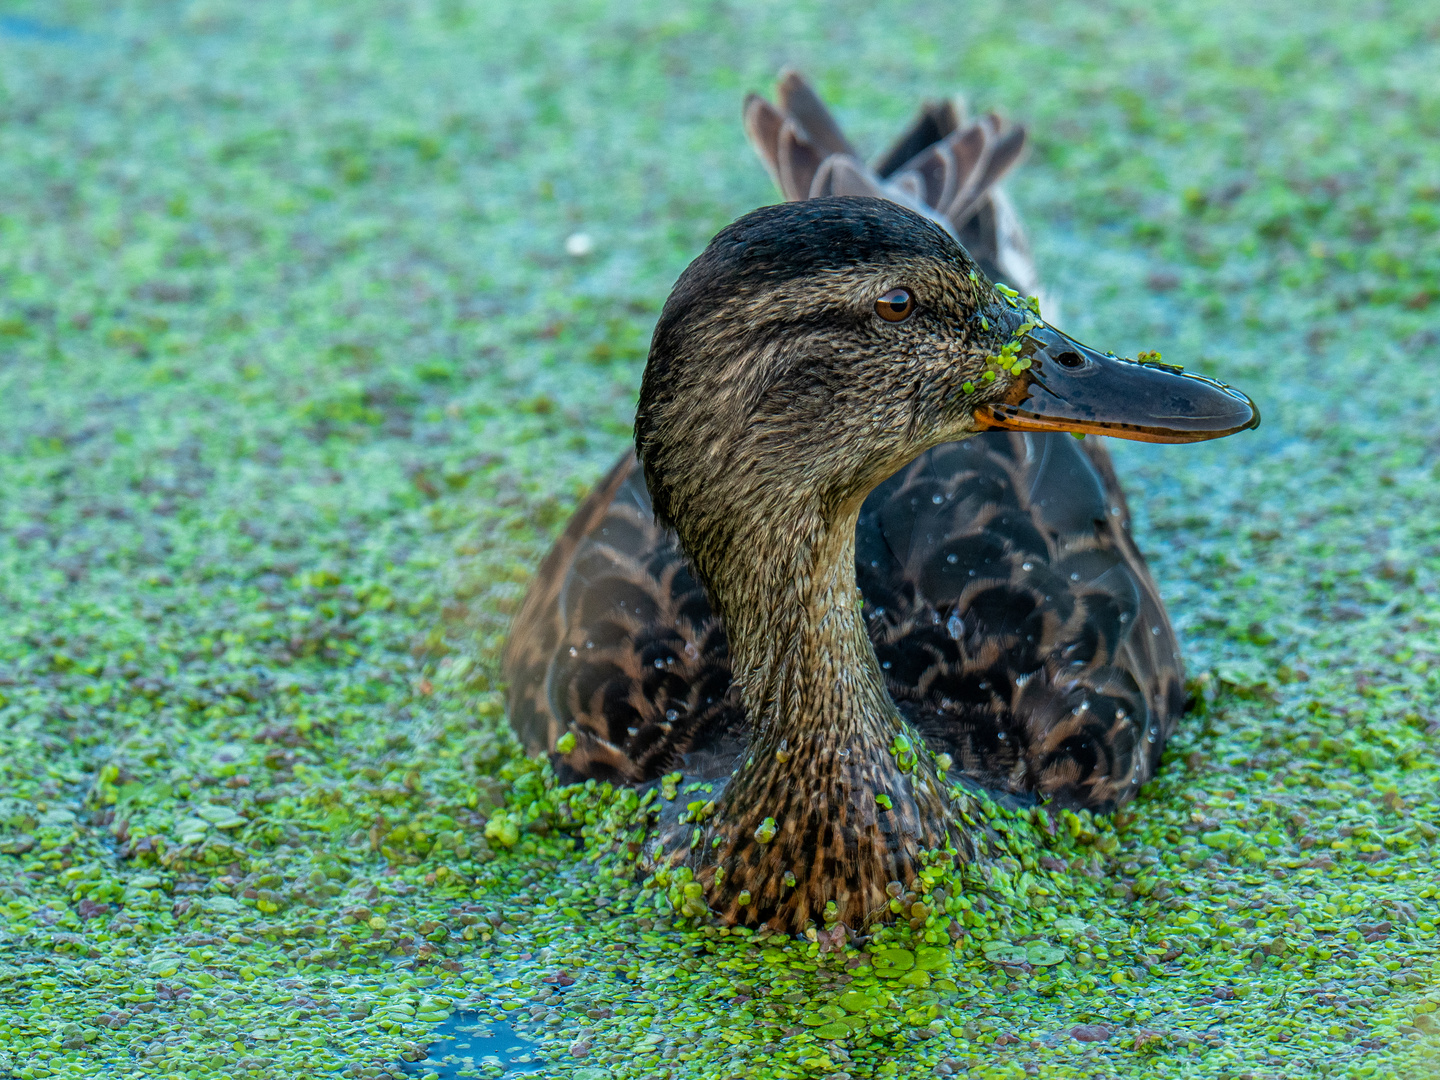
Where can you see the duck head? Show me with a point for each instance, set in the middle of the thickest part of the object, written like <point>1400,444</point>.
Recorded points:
<point>810,352</point>
<point>815,348</point>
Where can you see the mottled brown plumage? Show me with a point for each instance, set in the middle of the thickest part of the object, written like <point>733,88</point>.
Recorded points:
<point>703,614</point>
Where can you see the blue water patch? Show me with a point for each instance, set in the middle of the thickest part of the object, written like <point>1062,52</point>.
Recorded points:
<point>18,26</point>
<point>467,1043</point>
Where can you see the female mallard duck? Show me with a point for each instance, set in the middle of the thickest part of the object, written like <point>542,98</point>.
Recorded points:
<point>808,383</point>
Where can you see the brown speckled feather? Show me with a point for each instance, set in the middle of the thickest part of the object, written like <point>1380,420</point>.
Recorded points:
<point>620,647</point>
<point>1016,623</point>
<point>540,625</point>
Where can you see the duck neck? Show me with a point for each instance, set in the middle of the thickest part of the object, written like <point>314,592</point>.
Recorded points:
<point>837,797</point>
<point>800,652</point>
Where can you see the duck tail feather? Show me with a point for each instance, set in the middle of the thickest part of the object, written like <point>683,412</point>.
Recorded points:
<point>1002,152</point>
<point>971,151</point>
<point>944,168</point>
<point>841,174</point>
<point>935,120</point>
<point>800,102</point>
<point>798,162</point>
<point>763,122</point>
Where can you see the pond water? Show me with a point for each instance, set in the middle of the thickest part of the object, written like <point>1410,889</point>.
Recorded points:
<point>468,1042</point>
<point>17,26</point>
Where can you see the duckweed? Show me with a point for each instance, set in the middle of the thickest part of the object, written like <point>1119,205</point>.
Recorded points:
<point>301,375</point>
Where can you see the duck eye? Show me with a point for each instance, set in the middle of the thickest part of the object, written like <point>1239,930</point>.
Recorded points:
<point>895,306</point>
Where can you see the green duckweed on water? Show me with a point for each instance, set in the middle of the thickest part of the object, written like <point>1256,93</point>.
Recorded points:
<point>316,319</point>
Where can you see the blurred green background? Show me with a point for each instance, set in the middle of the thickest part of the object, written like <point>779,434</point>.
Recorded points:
<point>298,380</point>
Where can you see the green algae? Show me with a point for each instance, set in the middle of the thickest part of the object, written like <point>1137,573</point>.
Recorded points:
<point>301,372</point>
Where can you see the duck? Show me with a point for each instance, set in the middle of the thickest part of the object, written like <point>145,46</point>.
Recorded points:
<point>856,567</point>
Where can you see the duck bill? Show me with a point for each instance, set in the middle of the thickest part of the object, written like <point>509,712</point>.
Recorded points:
<point>1071,387</point>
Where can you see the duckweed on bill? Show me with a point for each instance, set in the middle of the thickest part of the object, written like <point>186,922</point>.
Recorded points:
<point>301,371</point>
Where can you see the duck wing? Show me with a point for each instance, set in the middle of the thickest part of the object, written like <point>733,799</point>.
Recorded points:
<point>1015,621</point>
<point>616,644</point>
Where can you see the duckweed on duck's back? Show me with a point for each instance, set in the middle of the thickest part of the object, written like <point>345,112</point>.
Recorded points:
<point>299,383</point>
